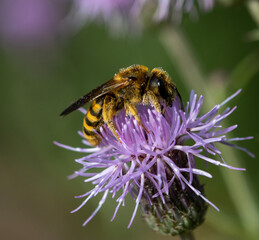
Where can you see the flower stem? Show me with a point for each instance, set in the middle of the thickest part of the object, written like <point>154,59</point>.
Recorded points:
<point>187,236</point>
<point>253,8</point>
<point>182,56</point>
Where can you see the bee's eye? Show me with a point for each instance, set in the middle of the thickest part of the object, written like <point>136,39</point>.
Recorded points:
<point>157,86</point>
<point>162,89</point>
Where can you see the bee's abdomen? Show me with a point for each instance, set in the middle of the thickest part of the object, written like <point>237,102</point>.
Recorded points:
<point>92,122</point>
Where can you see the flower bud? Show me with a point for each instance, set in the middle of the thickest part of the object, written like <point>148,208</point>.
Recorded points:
<point>182,211</point>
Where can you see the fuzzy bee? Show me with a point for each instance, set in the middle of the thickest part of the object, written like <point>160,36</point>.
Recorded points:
<point>130,86</point>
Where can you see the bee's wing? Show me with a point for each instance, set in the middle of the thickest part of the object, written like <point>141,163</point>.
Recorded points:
<point>97,92</point>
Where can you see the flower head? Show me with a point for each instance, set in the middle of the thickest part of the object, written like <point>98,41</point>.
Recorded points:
<point>158,169</point>
<point>128,13</point>
<point>29,23</point>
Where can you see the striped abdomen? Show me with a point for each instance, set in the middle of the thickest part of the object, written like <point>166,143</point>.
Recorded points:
<point>92,121</point>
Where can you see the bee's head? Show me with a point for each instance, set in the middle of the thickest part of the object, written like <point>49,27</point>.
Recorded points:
<point>160,84</point>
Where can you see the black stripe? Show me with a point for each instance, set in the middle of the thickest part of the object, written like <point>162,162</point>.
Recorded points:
<point>96,114</point>
<point>88,133</point>
<point>91,124</point>
<point>99,101</point>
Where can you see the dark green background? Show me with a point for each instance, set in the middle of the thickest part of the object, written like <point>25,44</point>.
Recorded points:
<point>36,196</point>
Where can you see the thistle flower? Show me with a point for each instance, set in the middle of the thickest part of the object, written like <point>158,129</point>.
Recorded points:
<point>30,23</point>
<point>131,13</point>
<point>158,169</point>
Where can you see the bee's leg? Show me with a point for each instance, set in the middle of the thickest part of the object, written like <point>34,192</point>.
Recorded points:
<point>150,98</point>
<point>131,109</point>
<point>109,110</point>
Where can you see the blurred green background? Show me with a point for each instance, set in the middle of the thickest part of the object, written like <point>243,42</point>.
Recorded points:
<point>38,83</point>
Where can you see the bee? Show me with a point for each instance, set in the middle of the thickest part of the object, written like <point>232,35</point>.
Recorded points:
<point>130,86</point>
